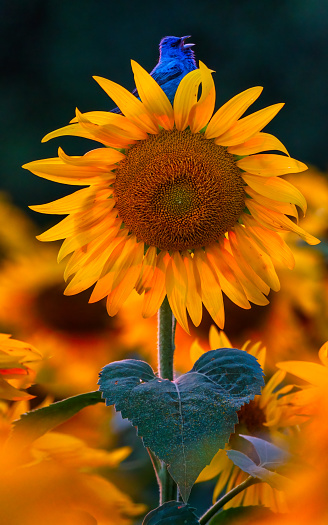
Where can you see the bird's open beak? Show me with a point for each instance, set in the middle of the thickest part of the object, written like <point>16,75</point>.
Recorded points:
<point>185,46</point>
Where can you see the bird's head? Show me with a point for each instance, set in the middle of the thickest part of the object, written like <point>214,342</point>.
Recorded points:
<point>173,46</point>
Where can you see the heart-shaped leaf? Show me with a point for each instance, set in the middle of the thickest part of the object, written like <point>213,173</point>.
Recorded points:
<point>184,422</point>
<point>172,512</point>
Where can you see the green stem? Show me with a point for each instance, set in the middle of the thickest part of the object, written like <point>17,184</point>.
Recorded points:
<point>227,497</point>
<point>166,332</point>
<point>166,328</point>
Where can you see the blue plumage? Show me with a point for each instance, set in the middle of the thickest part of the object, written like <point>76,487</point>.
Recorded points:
<point>176,59</point>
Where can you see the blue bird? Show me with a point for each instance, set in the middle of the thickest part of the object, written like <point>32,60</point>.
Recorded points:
<point>176,59</point>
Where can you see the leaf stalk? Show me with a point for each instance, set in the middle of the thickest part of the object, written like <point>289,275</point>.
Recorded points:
<point>227,497</point>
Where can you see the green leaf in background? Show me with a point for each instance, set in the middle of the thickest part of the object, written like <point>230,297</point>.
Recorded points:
<point>172,513</point>
<point>186,421</point>
<point>270,457</point>
<point>34,424</point>
<point>243,516</point>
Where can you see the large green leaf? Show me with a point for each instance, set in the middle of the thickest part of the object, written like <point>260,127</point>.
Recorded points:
<point>184,422</point>
<point>172,513</point>
<point>34,424</point>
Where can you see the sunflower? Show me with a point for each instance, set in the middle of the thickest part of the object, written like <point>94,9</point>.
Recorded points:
<point>16,367</point>
<point>75,339</point>
<point>274,416</point>
<point>178,202</point>
<point>54,478</point>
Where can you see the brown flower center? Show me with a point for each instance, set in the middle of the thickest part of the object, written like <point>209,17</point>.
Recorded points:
<point>178,191</point>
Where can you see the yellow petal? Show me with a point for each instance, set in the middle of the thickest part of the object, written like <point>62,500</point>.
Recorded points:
<point>76,223</point>
<point>228,281</point>
<point>246,265</point>
<point>270,242</point>
<point>119,261</point>
<point>106,229</point>
<point>57,170</point>
<point>281,207</point>
<point>218,339</point>
<point>246,127</point>
<point>102,157</point>
<point>176,288</point>
<point>74,130</point>
<point>217,465</point>
<point>202,111</point>
<point>211,291</point>
<point>105,127</point>
<point>11,393</point>
<point>230,112</point>
<point>270,386</point>
<point>259,142</point>
<point>276,221</point>
<point>84,258</point>
<point>121,292</point>
<point>276,188</point>
<point>109,134</point>
<point>88,267</point>
<point>323,354</point>
<point>312,372</point>
<point>226,467</point>
<point>185,98</point>
<point>130,106</point>
<point>252,292</point>
<point>156,293</point>
<point>260,261</point>
<point>74,202</point>
<point>268,164</point>
<point>107,119</point>
<point>193,301</point>
<point>147,270</point>
<point>196,351</point>
<point>153,97</point>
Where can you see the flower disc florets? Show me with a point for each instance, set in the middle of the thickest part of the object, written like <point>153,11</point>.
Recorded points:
<point>177,190</point>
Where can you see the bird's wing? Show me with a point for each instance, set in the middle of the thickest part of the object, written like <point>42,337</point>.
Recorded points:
<point>163,73</point>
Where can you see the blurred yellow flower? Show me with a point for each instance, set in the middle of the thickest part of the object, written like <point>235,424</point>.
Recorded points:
<point>16,367</point>
<point>76,339</point>
<point>178,202</point>
<point>54,480</point>
<point>272,416</point>
<point>307,497</point>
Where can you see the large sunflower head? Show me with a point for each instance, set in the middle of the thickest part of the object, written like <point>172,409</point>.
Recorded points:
<point>178,201</point>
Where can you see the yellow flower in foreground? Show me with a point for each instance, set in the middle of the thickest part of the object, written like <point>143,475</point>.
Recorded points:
<point>314,373</point>
<point>307,497</point>
<point>273,416</point>
<point>54,480</point>
<point>179,202</point>
<point>15,372</point>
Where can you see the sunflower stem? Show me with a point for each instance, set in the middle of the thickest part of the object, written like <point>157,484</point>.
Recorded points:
<point>227,497</point>
<point>166,333</point>
<point>166,346</point>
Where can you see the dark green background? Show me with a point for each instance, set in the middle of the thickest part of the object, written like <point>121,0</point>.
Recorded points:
<point>50,49</point>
